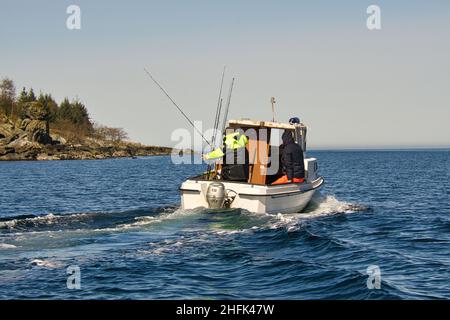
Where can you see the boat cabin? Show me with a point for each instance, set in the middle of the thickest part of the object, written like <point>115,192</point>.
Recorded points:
<point>264,139</point>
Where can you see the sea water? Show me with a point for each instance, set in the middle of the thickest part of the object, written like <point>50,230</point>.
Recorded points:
<point>119,222</point>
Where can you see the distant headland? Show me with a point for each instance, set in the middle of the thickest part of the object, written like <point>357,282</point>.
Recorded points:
<point>38,128</point>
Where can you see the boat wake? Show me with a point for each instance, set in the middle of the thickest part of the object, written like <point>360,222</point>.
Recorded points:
<point>246,222</point>
<point>329,204</point>
<point>77,221</point>
<point>320,206</point>
<point>223,222</point>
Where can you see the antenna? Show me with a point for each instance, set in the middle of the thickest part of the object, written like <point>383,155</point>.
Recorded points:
<point>272,100</point>
<point>179,109</point>
<point>227,108</point>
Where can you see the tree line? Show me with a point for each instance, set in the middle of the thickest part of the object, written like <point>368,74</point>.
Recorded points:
<point>71,117</point>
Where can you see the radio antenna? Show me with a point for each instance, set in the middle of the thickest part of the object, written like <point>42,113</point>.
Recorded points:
<point>227,108</point>
<point>272,100</point>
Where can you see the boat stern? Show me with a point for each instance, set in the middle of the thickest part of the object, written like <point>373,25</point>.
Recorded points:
<point>288,198</point>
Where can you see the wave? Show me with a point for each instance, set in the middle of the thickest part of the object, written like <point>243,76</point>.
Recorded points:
<point>76,221</point>
<point>328,204</point>
<point>46,263</point>
<point>207,227</point>
<point>143,221</point>
<point>7,246</point>
<point>320,206</point>
<point>230,223</point>
<point>226,222</point>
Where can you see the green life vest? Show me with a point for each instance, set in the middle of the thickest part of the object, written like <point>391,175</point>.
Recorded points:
<point>231,142</point>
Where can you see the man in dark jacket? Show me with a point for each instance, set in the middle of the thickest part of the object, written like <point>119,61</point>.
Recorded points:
<point>291,160</point>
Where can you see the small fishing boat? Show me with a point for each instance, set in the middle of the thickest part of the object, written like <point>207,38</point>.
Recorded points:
<point>251,189</point>
<point>248,184</point>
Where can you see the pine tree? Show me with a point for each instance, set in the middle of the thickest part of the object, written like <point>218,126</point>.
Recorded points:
<point>50,106</point>
<point>22,101</point>
<point>23,96</point>
<point>31,96</point>
<point>79,113</point>
<point>65,110</point>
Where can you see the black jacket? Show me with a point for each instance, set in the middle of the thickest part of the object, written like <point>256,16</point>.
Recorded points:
<point>292,157</point>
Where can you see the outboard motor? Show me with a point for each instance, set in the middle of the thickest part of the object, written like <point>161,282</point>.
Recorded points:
<point>215,195</point>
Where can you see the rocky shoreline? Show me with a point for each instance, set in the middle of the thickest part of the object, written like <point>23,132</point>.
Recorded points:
<point>28,140</point>
<point>78,152</point>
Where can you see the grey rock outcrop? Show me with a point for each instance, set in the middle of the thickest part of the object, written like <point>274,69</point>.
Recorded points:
<point>35,123</point>
<point>27,139</point>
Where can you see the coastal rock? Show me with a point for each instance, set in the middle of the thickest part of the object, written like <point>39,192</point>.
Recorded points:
<point>6,130</point>
<point>35,123</point>
<point>15,135</point>
<point>46,157</point>
<point>57,139</point>
<point>6,150</point>
<point>16,145</point>
<point>37,131</point>
<point>26,150</point>
<point>27,139</point>
<point>121,153</point>
<point>22,124</point>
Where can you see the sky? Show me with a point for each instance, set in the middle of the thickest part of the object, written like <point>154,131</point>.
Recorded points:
<point>353,87</point>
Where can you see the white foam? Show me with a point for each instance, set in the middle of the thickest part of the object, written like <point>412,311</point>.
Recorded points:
<point>7,246</point>
<point>320,206</point>
<point>329,204</point>
<point>46,263</point>
<point>166,246</point>
<point>46,219</point>
<point>158,251</point>
<point>149,220</point>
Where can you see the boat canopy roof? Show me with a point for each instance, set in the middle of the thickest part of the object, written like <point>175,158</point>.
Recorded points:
<point>246,123</point>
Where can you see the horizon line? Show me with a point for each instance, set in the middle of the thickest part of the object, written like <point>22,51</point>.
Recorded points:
<point>379,149</point>
<point>387,148</point>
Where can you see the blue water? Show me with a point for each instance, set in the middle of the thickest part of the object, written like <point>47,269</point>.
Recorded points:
<point>119,221</point>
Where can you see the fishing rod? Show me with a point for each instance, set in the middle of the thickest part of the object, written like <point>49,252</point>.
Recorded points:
<point>216,119</point>
<point>175,104</point>
<point>213,140</point>
<point>218,110</point>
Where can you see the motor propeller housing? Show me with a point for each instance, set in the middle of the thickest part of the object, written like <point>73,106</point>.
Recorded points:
<point>216,195</point>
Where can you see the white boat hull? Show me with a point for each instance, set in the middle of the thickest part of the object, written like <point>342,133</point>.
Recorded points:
<point>287,198</point>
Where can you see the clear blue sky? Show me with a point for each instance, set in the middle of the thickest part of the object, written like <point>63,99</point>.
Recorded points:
<point>352,87</point>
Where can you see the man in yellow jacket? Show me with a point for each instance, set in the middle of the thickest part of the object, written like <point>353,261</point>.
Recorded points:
<point>234,140</point>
